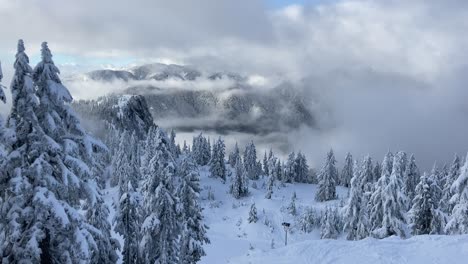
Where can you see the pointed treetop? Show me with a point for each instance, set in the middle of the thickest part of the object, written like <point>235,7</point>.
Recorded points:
<point>46,55</point>
<point>20,46</point>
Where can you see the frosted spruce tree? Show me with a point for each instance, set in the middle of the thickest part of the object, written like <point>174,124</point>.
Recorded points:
<point>458,223</point>
<point>412,178</point>
<point>235,153</point>
<point>292,210</point>
<point>330,224</point>
<point>3,138</point>
<point>301,168</point>
<point>265,166</point>
<point>250,161</point>
<point>327,179</point>
<point>377,171</point>
<point>289,168</point>
<point>367,176</point>
<point>394,202</point>
<point>356,211</point>
<point>239,183</point>
<point>125,161</point>
<point>201,149</point>
<point>435,178</point>
<point>253,217</point>
<point>217,165</point>
<point>193,229</point>
<point>50,168</point>
<point>160,229</point>
<point>127,222</point>
<point>376,199</point>
<point>454,171</point>
<point>425,217</point>
<point>270,186</point>
<point>347,171</point>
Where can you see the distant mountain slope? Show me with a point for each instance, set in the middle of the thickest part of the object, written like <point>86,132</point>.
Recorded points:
<point>231,106</point>
<point>123,112</point>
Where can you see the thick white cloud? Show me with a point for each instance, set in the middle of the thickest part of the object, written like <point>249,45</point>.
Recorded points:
<point>391,74</point>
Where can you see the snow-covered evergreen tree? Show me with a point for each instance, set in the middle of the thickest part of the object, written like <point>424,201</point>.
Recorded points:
<point>239,183</point>
<point>394,202</point>
<point>50,168</point>
<point>377,171</point>
<point>292,210</point>
<point>458,223</point>
<point>330,224</point>
<point>160,229</point>
<point>435,179</point>
<point>412,178</point>
<point>253,217</point>
<point>172,145</point>
<point>347,171</point>
<point>376,199</point>
<point>309,220</point>
<point>266,170</point>
<point>235,153</point>
<point>453,173</point>
<point>128,222</point>
<point>250,161</point>
<point>367,175</point>
<point>356,211</point>
<point>301,168</point>
<point>270,186</point>
<point>217,165</point>
<point>425,217</point>
<point>327,179</point>
<point>193,229</point>
<point>289,168</point>
<point>201,149</point>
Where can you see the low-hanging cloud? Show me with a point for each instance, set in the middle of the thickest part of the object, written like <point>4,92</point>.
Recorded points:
<point>385,74</point>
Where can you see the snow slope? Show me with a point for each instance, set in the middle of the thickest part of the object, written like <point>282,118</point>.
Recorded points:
<point>417,249</point>
<point>234,240</point>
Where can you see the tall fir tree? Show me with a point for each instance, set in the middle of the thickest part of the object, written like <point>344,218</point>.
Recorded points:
<point>160,228</point>
<point>250,161</point>
<point>330,224</point>
<point>424,215</point>
<point>127,223</point>
<point>270,186</point>
<point>266,170</point>
<point>376,199</point>
<point>289,168</point>
<point>356,210</point>
<point>235,153</point>
<point>327,179</point>
<point>201,149</point>
<point>193,229</point>
<point>347,171</point>
<point>50,168</point>
<point>454,171</point>
<point>301,168</point>
<point>394,202</point>
<point>239,183</point>
<point>458,223</point>
<point>412,178</point>
<point>377,171</point>
<point>217,165</point>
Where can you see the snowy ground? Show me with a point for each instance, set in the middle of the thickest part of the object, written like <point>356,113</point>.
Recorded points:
<point>235,240</point>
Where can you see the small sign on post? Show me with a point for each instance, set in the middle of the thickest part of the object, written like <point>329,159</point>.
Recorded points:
<point>286,227</point>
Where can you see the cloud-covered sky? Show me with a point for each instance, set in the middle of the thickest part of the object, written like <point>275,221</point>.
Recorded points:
<point>392,73</point>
